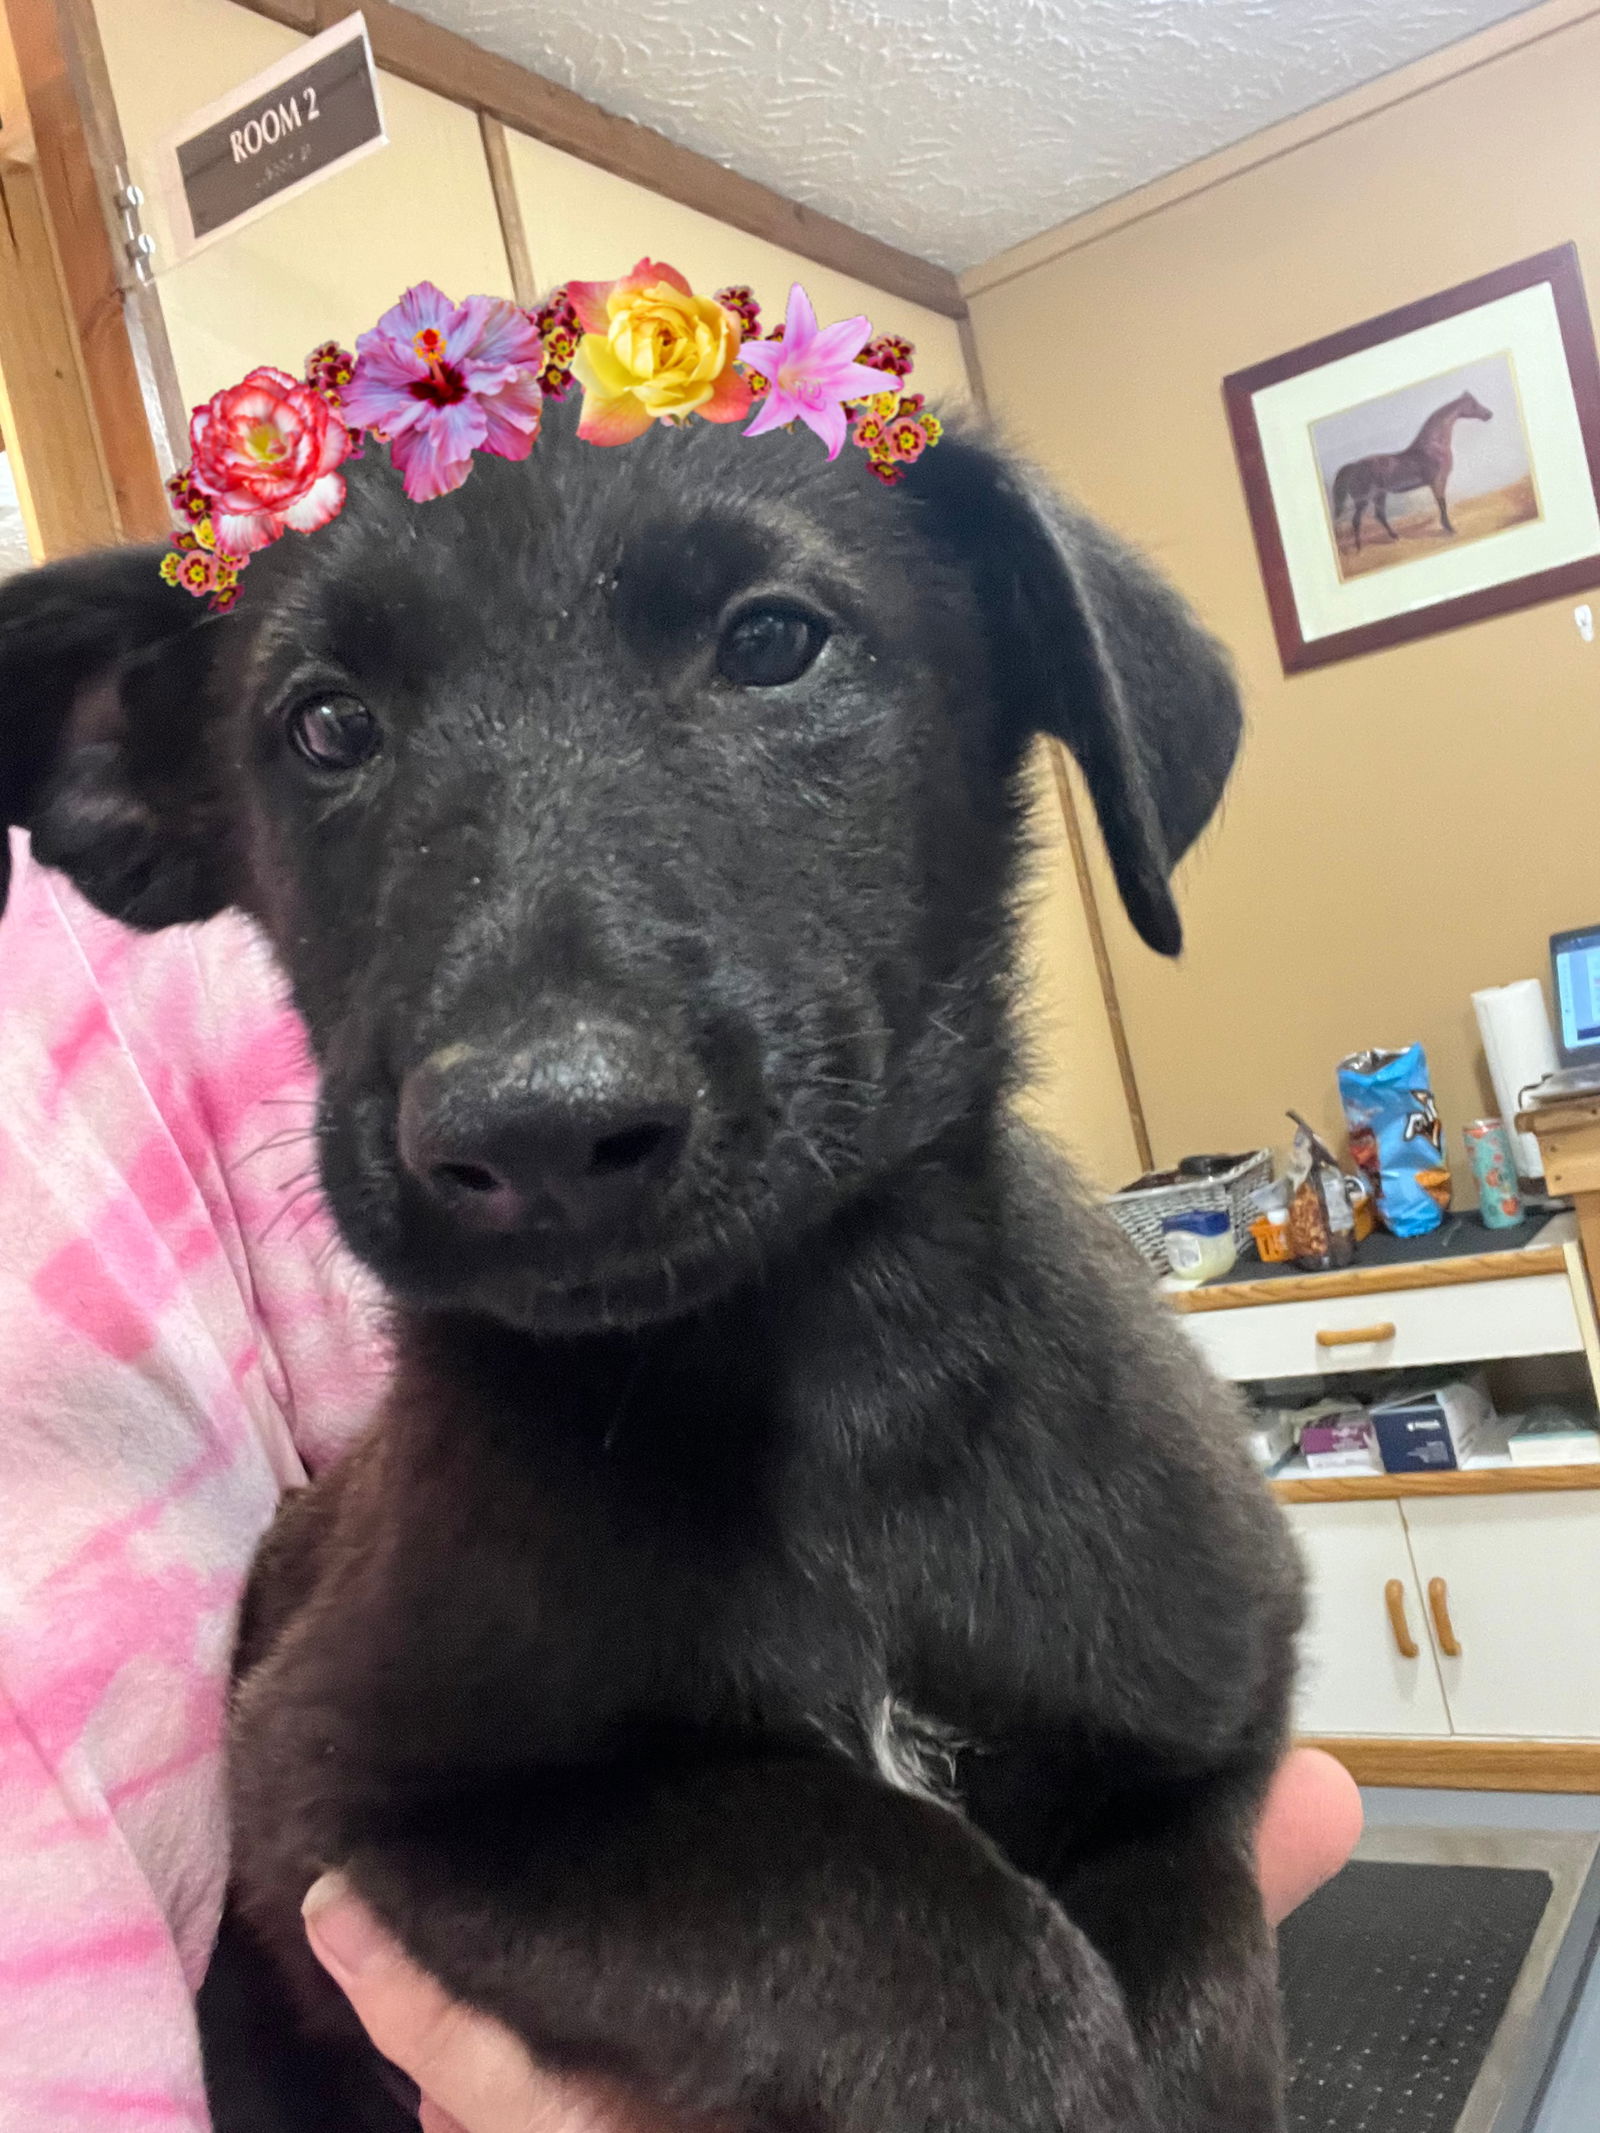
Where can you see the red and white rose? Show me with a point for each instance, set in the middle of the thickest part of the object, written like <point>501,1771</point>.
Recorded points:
<point>265,454</point>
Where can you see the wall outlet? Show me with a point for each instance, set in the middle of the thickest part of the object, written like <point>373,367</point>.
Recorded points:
<point>1584,618</point>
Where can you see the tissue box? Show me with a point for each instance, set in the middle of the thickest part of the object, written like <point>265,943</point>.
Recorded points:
<point>1557,1447</point>
<point>1549,1436</point>
<point>1431,1432</point>
<point>1341,1444</point>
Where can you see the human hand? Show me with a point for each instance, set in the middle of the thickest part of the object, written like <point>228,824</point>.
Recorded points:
<point>477,2077</point>
<point>1307,1831</point>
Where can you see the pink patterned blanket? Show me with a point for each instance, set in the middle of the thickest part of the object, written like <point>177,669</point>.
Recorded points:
<point>181,1338</point>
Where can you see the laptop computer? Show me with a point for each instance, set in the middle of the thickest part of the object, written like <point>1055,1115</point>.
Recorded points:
<point>1575,986</point>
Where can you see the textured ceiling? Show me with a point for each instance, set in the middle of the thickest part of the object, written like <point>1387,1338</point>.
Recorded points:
<point>957,127</point>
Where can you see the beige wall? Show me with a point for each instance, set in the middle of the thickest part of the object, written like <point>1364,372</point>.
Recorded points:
<point>1075,1090</point>
<point>325,265</point>
<point>584,224</point>
<point>1404,827</point>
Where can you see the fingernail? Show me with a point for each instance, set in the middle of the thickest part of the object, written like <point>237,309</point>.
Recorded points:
<point>343,1930</point>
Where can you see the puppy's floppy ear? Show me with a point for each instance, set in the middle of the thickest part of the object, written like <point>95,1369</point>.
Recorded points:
<point>103,710</point>
<point>1088,644</point>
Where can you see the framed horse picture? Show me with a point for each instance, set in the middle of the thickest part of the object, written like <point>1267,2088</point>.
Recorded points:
<point>1427,468</point>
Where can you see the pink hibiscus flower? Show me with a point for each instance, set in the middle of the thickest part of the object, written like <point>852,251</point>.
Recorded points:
<point>811,372</point>
<point>442,381</point>
<point>264,456</point>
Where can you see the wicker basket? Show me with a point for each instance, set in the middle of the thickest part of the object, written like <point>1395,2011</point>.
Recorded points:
<point>1142,1212</point>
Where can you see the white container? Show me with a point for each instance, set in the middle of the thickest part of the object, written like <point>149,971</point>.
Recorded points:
<point>1199,1244</point>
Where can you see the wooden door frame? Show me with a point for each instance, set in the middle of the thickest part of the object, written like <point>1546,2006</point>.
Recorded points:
<point>81,344</point>
<point>45,408</point>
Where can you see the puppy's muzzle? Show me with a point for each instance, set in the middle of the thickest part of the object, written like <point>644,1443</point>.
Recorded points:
<point>579,1130</point>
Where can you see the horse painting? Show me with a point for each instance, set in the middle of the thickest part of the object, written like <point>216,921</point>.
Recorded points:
<point>1424,464</point>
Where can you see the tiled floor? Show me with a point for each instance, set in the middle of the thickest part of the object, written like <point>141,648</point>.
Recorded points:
<point>1572,2102</point>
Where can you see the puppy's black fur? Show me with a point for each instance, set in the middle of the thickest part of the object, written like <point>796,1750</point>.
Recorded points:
<point>803,1637</point>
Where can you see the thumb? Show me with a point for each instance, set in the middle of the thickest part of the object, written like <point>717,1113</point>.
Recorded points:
<point>475,2074</point>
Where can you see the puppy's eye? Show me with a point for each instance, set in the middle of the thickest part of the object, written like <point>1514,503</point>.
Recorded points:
<point>767,646</point>
<point>334,732</point>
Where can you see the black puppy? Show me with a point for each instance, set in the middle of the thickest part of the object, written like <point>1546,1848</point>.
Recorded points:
<point>803,1637</point>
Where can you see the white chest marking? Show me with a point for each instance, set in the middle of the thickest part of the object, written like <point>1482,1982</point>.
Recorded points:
<point>912,1753</point>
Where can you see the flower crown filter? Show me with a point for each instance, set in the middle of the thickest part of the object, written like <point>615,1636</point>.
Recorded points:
<point>436,382</point>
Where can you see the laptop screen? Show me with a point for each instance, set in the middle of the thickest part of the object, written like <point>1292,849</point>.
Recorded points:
<point>1576,960</point>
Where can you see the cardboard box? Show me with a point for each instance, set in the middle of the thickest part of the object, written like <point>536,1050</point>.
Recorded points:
<point>1435,1431</point>
<point>1341,1444</point>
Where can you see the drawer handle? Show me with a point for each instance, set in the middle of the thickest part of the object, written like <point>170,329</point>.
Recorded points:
<point>1394,1598</point>
<point>1439,1605</point>
<point>1356,1336</point>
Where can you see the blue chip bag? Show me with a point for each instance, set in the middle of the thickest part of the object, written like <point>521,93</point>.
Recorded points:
<point>1396,1139</point>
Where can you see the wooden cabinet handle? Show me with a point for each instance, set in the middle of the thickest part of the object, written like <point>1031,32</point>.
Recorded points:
<point>1439,1606</point>
<point>1394,1598</point>
<point>1355,1336</point>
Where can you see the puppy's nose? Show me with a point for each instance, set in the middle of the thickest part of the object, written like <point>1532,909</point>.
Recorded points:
<point>579,1129</point>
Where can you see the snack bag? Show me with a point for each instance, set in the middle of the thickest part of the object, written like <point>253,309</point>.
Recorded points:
<point>1396,1137</point>
<point>1363,1208</point>
<point>1321,1218</point>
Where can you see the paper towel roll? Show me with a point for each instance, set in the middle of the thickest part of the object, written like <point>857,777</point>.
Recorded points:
<point>1521,1050</point>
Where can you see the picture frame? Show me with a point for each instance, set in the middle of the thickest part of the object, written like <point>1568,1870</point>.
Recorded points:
<point>1427,468</point>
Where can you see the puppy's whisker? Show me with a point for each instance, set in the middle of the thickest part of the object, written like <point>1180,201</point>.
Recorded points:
<point>311,1190</point>
<point>315,1208</point>
<point>288,1138</point>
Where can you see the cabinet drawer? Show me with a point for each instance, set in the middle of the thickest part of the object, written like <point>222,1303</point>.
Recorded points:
<point>1460,1322</point>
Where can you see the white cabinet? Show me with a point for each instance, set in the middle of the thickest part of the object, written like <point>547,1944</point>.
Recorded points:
<point>1518,1590</point>
<point>1455,1323</point>
<point>1354,1676</point>
<point>1454,1605</point>
<point>1530,1296</point>
<point>1498,1595</point>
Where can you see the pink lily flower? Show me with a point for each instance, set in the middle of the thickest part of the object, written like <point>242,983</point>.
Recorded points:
<point>442,381</point>
<point>812,372</point>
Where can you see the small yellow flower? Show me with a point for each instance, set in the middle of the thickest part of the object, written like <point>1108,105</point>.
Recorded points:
<point>652,349</point>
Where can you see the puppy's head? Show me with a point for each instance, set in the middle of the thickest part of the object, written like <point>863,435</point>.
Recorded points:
<point>636,828</point>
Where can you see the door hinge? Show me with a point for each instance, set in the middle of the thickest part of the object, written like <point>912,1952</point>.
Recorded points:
<point>137,248</point>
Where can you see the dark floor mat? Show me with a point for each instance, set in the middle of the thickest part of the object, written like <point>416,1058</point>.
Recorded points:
<point>1394,1980</point>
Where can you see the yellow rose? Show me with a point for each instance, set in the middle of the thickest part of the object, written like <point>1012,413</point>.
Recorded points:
<point>651,349</point>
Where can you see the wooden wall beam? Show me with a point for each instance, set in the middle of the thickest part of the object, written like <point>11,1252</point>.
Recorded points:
<point>69,106</point>
<point>451,66</point>
<point>1089,897</point>
<point>513,231</point>
<point>50,429</point>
